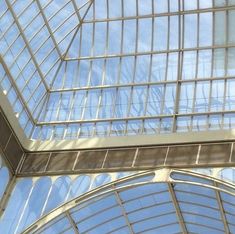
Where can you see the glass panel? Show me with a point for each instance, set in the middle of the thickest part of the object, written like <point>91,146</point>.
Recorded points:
<point>16,204</point>
<point>186,97</point>
<point>160,33</point>
<point>190,30</point>
<point>189,65</point>
<point>184,177</point>
<point>58,193</point>
<point>101,180</point>
<point>220,28</point>
<point>219,62</point>
<point>138,101</point>
<point>35,203</point>
<point>58,225</point>
<point>202,96</point>
<point>126,59</point>
<point>79,186</point>
<point>204,64</point>
<point>231,30</point>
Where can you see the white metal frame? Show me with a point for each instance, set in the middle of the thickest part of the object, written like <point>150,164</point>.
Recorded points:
<point>96,142</point>
<point>161,176</point>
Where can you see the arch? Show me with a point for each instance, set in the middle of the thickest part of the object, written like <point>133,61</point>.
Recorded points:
<point>157,205</point>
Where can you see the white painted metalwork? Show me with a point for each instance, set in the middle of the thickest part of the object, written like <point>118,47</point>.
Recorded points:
<point>114,76</point>
<point>174,180</point>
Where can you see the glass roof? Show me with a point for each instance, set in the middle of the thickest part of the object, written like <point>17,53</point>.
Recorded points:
<point>77,68</point>
<point>184,203</point>
<point>142,194</point>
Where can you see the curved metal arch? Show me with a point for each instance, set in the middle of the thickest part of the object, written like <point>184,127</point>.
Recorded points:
<point>136,180</point>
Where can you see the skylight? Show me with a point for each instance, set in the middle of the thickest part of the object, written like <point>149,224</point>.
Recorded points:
<point>73,69</point>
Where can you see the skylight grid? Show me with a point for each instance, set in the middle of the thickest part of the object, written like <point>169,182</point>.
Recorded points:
<point>136,67</point>
<point>26,121</point>
<point>19,64</point>
<point>29,51</point>
<point>61,20</point>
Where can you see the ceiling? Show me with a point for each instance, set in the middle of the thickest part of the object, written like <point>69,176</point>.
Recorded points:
<point>76,69</point>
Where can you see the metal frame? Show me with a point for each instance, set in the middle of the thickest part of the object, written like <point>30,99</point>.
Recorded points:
<point>161,176</point>
<point>124,212</point>
<point>10,185</point>
<point>181,50</point>
<point>109,143</point>
<point>27,44</point>
<point>177,208</point>
<point>223,216</point>
<point>48,27</point>
<point>118,141</point>
<point>15,87</point>
<point>72,223</point>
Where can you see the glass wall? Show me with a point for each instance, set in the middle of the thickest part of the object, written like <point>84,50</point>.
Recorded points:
<point>33,197</point>
<point>148,204</point>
